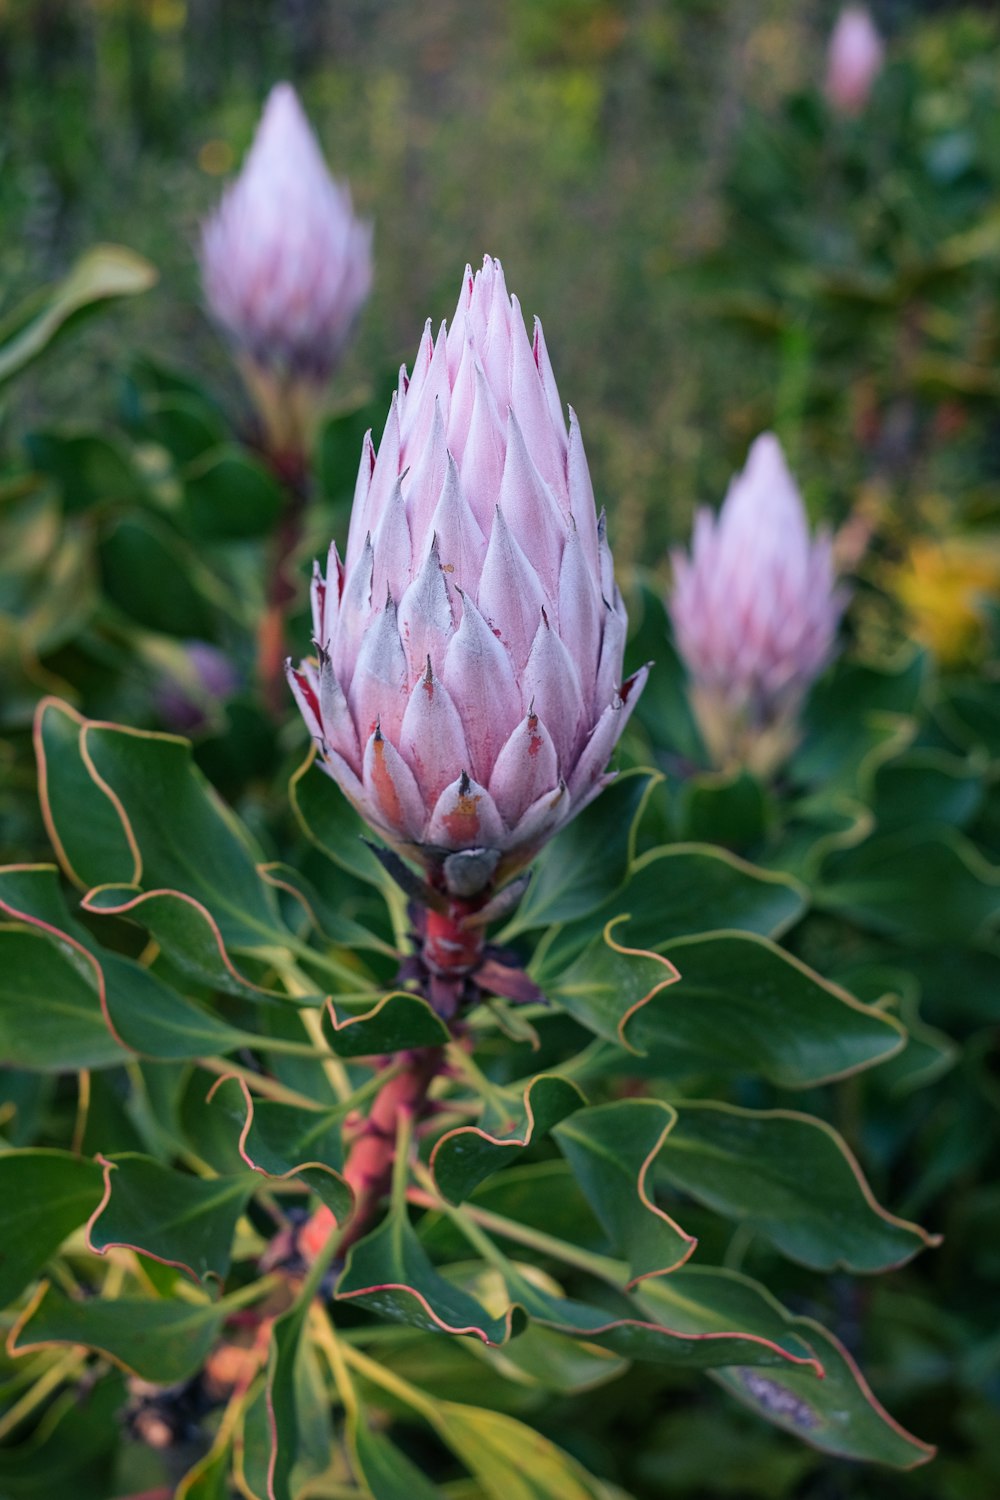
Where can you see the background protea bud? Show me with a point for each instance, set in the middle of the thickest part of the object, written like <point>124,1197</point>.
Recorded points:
<point>286,266</point>
<point>469,688</point>
<point>755,611</point>
<point>853,61</point>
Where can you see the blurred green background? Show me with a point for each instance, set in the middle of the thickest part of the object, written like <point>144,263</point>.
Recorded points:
<point>710,250</point>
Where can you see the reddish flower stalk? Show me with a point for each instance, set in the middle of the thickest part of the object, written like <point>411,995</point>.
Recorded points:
<point>368,1170</point>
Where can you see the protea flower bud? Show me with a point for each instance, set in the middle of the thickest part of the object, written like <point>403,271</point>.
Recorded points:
<point>286,266</point>
<point>469,689</point>
<point>853,60</point>
<point>755,611</point>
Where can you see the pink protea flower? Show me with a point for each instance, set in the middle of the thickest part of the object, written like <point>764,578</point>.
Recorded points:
<point>755,611</point>
<point>286,265</point>
<point>469,689</point>
<point>853,61</point>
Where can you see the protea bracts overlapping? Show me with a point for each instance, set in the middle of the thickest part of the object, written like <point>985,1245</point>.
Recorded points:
<point>755,610</point>
<point>468,692</point>
<point>286,266</point>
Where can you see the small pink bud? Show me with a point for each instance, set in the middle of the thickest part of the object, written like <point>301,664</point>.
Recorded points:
<point>285,263</point>
<point>469,691</point>
<point>755,610</point>
<point>854,60</point>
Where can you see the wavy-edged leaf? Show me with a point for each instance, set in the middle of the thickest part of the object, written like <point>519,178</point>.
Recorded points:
<point>917,885</point>
<point>44,1195</point>
<point>89,468</point>
<point>77,982</point>
<point>101,274</point>
<point>85,827</point>
<point>390,1273</point>
<point>926,786</point>
<point>162,1341</point>
<point>730,808</point>
<point>675,1319</point>
<point>184,1221</point>
<point>746,1007</point>
<point>609,983</point>
<point>856,715</point>
<point>511,1120</point>
<point>183,836</point>
<point>683,889</point>
<point>69,1451</point>
<point>611,1149</point>
<point>589,860</point>
<point>792,1179</point>
<point>50,1013</point>
<point>394,1022</point>
<point>282,1140</point>
<point>841,1416</point>
<point>184,930</point>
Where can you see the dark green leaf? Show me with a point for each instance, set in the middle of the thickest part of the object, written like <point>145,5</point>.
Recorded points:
<point>185,1221</point>
<point>163,1342</point>
<point>227,494</point>
<point>839,1416</point>
<point>510,1122</point>
<point>44,1196</point>
<point>792,1179</point>
<point>611,1149</point>
<point>152,575</point>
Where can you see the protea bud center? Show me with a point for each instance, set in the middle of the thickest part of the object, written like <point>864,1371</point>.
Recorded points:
<point>286,266</point>
<point>755,611</point>
<point>469,688</point>
<point>853,61</point>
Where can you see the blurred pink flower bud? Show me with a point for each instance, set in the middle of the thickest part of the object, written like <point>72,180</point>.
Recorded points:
<point>755,611</point>
<point>285,264</point>
<point>853,60</point>
<point>469,690</point>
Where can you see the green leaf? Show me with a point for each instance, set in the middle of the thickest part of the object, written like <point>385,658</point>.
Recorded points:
<point>185,424</point>
<point>329,821</point>
<point>185,932</point>
<point>100,275</point>
<point>164,1342</point>
<point>744,1006</point>
<point>512,1119</point>
<point>229,495</point>
<point>185,838</point>
<point>510,1460</point>
<point>792,1179</point>
<point>916,885</point>
<point>858,711</point>
<point>90,469</point>
<point>152,575</point>
<point>723,807</point>
<point>389,1272</point>
<point>664,707</point>
<point>86,828</point>
<point>608,984</point>
<point>392,1023</point>
<point>282,1140</point>
<point>388,1473</point>
<point>50,1013</point>
<point>184,1221</point>
<point>926,786</point>
<point>589,859</point>
<point>44,1196</point>
<point>139,1010</point>
<point>839,1416</point>
<point>683,889</point>
<point>71,1448</point>
<point>611,1149</point>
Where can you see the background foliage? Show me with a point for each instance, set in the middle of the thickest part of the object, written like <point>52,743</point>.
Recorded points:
<point>749,262</point>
